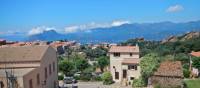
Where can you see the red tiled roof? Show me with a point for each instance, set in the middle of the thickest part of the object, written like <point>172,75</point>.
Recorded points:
<point>131,61</point>
<point>169,68</point>
<point>124,49</point>
<point>57,44</point>
<point>196,54</point>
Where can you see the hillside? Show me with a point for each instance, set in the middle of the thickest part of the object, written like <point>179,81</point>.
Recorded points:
<point>185,37</point>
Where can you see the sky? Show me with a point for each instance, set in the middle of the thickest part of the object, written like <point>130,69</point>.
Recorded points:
<point>33,16</point>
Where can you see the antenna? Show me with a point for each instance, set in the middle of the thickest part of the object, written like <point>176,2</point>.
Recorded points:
<point>10,78</point>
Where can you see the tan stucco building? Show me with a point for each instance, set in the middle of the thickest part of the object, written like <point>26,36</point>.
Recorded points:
<point>124,63</point>
<point>28,67</point>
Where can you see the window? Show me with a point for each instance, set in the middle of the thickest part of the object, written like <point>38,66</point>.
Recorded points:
<point>49,69</point>
<point>116,54</point>
<point>45,73</point>
<point>54,67</point>
<point>132,67</point>
<point>132,78</point>
<point>114,67</point>
<point>131,54</point>
<point>116,75</point>
<point>38,79</point>
<point>30,83</point>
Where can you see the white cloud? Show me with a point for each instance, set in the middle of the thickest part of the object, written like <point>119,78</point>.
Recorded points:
<point>71,29</point>
<point>38,30</point>
<point>175,8</point>
<point>119,23</point>
<point>92,25</point>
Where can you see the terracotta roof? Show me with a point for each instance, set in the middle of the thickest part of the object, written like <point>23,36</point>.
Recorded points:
<point>124,49</point>
<point>169,68</point>
<point>131,61</point>
<point>196,54</point>
<point>22,53</point>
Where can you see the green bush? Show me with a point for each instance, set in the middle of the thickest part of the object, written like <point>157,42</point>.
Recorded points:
<point>157,86</point>
<point>186,73</point>
<point>97,78</point>
<point>138,83</point>
<point>86,76</point>
<point>107,78</point>
<point>60,77</point>
<point>77,77</point>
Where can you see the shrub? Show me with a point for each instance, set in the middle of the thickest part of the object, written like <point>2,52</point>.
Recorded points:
<point>186,73</point>
<point>85,77</point>
<point>77,77</point>
<point>107,78</point>
<point>60,77</point>
<point>138,83</point>
<point>97,78</point>
<point>157,86</point>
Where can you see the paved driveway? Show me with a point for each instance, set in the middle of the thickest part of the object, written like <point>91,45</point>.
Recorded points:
<point>94,85</point>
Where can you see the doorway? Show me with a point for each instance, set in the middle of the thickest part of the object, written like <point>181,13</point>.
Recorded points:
<point>124,73</point>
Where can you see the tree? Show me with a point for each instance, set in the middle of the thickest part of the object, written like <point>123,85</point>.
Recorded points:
<point>107,78</point>
<point>103,62</point>
<point>86,75</point>
<point>66,67</point>
<point>196,62</point>
<point>186,73</point>
<point>182,57</point>
<point>148,64</point>
<point>138,83</point>
<point>81,64</point>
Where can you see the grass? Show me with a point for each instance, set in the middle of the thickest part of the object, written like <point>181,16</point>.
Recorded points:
<point>193,83</point>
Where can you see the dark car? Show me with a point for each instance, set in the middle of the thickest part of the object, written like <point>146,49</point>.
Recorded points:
<point>69,80</point>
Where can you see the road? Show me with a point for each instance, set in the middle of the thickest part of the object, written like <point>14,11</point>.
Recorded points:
<point>94,85</point>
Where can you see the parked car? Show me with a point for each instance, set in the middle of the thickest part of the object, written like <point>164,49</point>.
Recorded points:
<point>69,80</point>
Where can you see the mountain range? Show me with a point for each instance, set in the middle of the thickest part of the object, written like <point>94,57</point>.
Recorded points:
<point>149,31</point>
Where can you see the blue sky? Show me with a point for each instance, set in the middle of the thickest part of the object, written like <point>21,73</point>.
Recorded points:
<point>23,15</point>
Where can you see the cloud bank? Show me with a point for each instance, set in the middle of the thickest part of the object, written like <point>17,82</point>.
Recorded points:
<point>92,25</point>
<point>77,28</point>
<point>38,30</point>
<point>174,8</point>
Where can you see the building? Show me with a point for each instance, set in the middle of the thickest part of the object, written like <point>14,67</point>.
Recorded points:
<point>60,47</point>
<point>124,63</point>
<point>2,42</point>
<point>168,75</point>
<point>28,67</point>
<point>194,71</point>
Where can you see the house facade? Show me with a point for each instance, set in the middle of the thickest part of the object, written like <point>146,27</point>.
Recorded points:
<point>124,63</point>
<point>28,67</point>
<point>194,71</point>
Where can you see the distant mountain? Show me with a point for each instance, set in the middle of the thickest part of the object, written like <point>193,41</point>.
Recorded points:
<point>46,36</point>
<point>149,31</point>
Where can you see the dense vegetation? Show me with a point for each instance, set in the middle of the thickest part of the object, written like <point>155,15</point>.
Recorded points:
<point>154,52</point>
<point>75,62</point>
